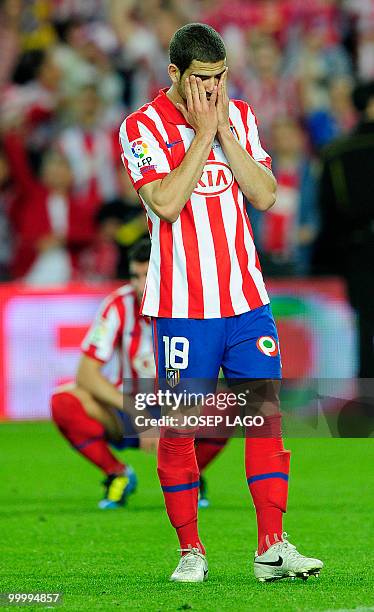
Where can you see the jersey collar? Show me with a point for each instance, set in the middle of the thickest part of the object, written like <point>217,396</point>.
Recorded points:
<point>166,108</point>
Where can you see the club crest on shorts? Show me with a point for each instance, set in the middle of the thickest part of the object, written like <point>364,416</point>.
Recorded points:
<point>172,377</point>
<point>268,346</point>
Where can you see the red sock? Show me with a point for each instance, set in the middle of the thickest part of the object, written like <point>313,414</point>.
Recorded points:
<point>207,449</point>
<point>267,470</point>
<point>85,434</point>
<point>179,478</point>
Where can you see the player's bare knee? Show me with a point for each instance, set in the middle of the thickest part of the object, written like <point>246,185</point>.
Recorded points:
<point>81,394</point>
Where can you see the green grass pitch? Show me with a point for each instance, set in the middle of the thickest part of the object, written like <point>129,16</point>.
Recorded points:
<point>53,537</point>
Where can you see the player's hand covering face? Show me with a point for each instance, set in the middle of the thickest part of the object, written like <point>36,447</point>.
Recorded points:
<point>197,87</point>
<point>223,103</point>
<point>198,111</point>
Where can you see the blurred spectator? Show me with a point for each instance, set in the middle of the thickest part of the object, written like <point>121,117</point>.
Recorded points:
<point>52,226</point>
<point>92,150</point>
<point>6,199</point>
<point>139,50</point>
<point>271,93</point>
<point>286,233</point>
<point>324,14</point>
<point>131,221</point>
<point>121,222</point>
<point>10,42</point>
<point>363,12</point>
<point>339,118</point>
<point>346,243</point>
<point>84,57</point>
<point>33,99</point>
<point>37,28</point>
<point>78,9</point>
<point>165,26</point>
<point>315,59</point>
<point>72,69</point>
<point>67,54</point>
<point>144,46</point>
<point>265,16</point>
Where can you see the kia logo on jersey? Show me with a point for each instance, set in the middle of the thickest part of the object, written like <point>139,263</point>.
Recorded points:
<point>216,178</point>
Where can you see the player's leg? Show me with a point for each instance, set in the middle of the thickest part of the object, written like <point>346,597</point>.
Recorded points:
<point>206,450</point>
<point>188,351</point>
<point>252,354</point>
<point>89,427</point>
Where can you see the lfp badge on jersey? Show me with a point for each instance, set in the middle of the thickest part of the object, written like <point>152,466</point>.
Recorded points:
<point>172,377</point>
<point>268,346</point>
<point>139,149</point>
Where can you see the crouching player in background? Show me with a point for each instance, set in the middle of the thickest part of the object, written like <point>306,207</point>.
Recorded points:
<point>90,413</point>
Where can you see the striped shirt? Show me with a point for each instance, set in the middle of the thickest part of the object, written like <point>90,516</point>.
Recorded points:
<point>204,265</point>
<point>120,335</point>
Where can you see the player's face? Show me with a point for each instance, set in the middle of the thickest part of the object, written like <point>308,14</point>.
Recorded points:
<point>57,174</point>
<point>209,73</point>
<point>138,275</point>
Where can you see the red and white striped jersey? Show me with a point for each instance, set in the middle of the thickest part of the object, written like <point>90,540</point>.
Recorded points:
<point>121,336</point>
<point>204,265</point>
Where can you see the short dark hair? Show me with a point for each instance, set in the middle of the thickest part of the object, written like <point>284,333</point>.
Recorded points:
<point>196,41</point>
<point>140,251</point>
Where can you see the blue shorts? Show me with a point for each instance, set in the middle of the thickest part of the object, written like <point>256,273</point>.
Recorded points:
<point>131,436</point>
<point>245,346</point>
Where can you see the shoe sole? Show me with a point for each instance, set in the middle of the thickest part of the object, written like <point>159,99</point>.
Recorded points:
<point>293,575</point>
<point>192,581</point>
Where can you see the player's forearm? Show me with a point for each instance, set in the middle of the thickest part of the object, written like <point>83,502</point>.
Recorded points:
<point>175,189</point>
<point>257,184</point>
<point>98,386</point>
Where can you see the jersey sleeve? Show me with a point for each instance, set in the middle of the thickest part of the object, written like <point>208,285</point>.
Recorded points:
<point>105,332</point>
<point>254,146</point>
<point>144,153</point>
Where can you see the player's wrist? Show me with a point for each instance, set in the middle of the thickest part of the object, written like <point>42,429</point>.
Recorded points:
<point>224,130</point>
<point>206,135</point>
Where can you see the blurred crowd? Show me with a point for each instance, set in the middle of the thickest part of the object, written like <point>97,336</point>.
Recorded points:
<point>71,70</point>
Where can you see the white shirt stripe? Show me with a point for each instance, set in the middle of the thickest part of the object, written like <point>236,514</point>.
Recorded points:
<point>180,285</point>
<point>151,303</point>
<point>257,151</point>
<point>152,114</point>
<point>236,119</point>
<point>126,335</point>
<point>187,135</point>
<point>208,263</point>
<point>255,272</point>
<point>229,215</point>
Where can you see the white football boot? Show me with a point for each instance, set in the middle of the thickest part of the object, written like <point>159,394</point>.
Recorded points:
<point>282,560</point>
<point>192,567</point>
